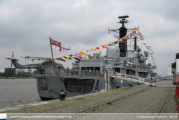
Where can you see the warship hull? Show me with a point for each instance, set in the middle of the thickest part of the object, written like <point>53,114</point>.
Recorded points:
<point>50,86</point>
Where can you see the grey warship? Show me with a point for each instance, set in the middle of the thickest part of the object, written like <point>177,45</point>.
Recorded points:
<point>120,67</point>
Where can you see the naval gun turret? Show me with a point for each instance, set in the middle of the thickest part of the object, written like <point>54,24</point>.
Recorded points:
<point>113,51</point>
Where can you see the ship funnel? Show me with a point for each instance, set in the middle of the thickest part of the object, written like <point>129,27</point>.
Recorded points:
<point>173,67</point>
<point>177,63</point>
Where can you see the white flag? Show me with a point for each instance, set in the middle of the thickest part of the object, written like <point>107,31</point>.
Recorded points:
<point>65,47</point>
<point>60,46</point>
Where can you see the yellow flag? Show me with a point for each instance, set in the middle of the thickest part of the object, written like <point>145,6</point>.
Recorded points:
<point>105,44</point>
<point>67,57</point>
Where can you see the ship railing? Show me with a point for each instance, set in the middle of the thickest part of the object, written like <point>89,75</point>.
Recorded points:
<point>74,72</point>
<point>129,77</point>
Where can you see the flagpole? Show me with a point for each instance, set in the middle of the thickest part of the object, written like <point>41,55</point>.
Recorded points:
<point>52,54</point>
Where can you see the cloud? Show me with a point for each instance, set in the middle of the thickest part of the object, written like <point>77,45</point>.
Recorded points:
<point>27,25</point>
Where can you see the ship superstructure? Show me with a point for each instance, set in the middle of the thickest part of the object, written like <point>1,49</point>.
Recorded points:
<point>118,58</point>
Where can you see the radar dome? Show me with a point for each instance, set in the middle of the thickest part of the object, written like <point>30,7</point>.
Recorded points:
<point>96,54</point>
<point>146,52</point>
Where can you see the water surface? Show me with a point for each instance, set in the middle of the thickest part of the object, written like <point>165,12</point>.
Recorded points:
<point>18,91</point>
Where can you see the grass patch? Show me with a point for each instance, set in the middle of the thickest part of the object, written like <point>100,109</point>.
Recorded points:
<point>124,88</point>
<point>77,99</point>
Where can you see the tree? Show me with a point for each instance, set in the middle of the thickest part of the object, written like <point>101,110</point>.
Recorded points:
<point>9,72</point>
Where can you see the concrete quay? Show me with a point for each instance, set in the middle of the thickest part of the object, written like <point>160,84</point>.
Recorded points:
<point>138,99</point>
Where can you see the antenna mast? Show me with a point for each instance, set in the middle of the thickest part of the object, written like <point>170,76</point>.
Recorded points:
<point>122,32</point>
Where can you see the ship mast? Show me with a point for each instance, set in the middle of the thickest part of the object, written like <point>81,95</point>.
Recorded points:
<point>122,32</point>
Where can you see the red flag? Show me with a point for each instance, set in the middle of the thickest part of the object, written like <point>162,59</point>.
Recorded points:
<point>78,55</point>
<point>60,59</point>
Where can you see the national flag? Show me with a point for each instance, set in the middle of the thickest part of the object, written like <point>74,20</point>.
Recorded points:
<point>67,57</point>
<point>60,59</point>
<point>60,46</point>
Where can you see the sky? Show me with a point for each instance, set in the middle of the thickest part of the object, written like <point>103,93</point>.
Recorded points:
<point>26,25</point>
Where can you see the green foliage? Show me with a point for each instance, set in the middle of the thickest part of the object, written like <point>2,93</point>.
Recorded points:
<point>9,72</point>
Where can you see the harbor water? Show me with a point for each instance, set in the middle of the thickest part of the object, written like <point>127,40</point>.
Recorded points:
<point>18,91</point>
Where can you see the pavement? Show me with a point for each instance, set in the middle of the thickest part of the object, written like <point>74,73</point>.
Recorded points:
<point>126,103</point>
<point>165,83</point>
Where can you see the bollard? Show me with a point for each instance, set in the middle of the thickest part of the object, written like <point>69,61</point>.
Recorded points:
<point>118,86</point>
<point>62,95</point>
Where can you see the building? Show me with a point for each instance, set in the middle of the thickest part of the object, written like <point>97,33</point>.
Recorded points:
<point>2,70</point>
<point>25,70</point>
<point>19,71</point>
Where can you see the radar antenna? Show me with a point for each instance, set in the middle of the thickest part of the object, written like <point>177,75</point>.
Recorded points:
<point>122,32</point>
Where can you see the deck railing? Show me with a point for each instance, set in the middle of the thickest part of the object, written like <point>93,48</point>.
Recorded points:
<point>129,77</point>
<point>71,72</point>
